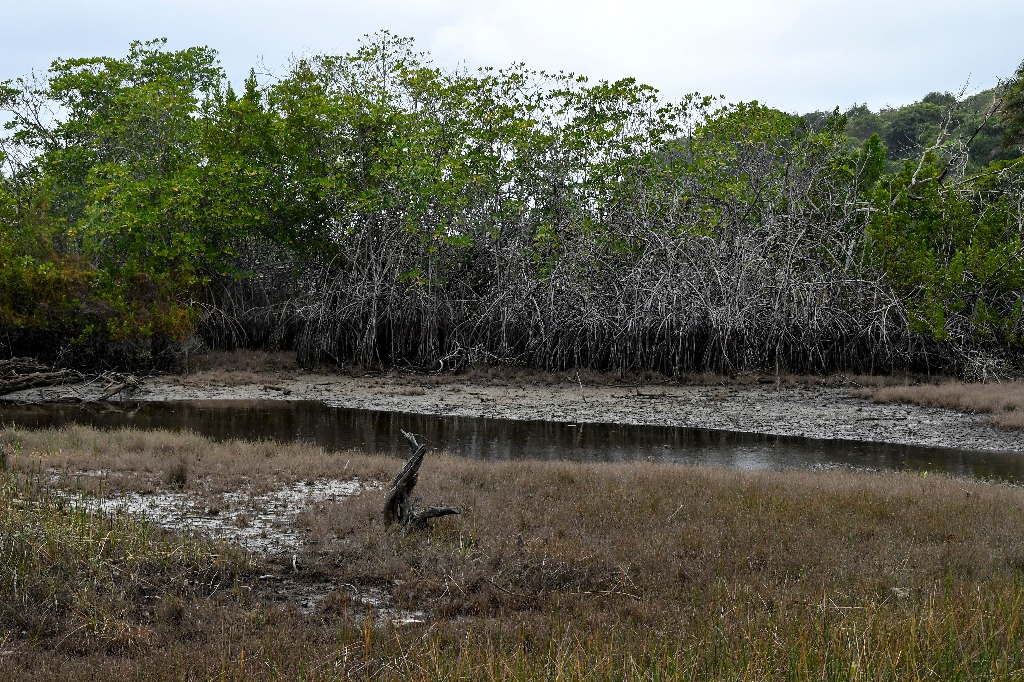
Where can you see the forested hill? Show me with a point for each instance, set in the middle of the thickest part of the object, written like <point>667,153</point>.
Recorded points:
<point>942,118</point>
<point>375,209</point>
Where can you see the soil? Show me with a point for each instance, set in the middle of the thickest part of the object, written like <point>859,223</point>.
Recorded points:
<point>264,524</point>
<point>260,522</point>
<point>810,410</point>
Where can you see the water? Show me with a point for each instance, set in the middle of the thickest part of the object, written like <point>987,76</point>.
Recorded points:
<point>503,439</point>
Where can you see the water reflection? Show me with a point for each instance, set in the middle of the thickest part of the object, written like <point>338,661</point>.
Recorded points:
<point>502,439</point>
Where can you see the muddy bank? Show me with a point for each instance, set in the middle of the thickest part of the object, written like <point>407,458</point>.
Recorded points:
<point>804,410</point>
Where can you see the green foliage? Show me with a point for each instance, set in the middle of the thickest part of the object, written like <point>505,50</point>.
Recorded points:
<point>137,218</point>
<point>746,156</point>
<point>131,156</point>
<point>1012,110</point>
<point>954,253</point>
<point>376,208</point>
<point>940,120</point>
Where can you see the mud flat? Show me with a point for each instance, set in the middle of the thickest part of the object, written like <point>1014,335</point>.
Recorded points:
<point>804,410</point>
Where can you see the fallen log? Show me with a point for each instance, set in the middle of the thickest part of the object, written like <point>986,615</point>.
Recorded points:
<point>399,507</point>
<point>18,374</point>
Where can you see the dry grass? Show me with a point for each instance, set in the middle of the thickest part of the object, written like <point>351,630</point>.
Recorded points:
<point>244,361</point>
<point>142,461</point>
<point>1004,401</point>
<point>576,571</point>
<point>234,368</point>
<point>76,581</point>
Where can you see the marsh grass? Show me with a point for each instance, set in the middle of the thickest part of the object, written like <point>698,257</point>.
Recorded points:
<point>237,367</point>
<point>1004,401</point>
<point>76,580</point>
<point>554,571</point>
<point>177,473</point>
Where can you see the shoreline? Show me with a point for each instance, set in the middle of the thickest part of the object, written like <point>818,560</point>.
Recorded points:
<point>806,410</point>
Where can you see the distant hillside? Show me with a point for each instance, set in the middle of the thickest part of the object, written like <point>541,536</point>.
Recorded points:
<point>908,130</point>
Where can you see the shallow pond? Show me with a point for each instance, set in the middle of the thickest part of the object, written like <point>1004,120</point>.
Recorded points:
<point>500,439</point>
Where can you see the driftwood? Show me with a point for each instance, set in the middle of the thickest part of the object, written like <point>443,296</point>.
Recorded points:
<point>117,382</point>
<point>399,508</point>
<point>18,374</point>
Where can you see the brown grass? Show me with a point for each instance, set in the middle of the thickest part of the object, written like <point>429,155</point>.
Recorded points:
<point>141,461</point>
<point>234,368</point>
<point>583,571</point>
<point>1004,401</point>
<point>253,367</point>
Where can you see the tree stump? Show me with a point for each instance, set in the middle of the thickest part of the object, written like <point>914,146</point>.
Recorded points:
<point>399,507</point>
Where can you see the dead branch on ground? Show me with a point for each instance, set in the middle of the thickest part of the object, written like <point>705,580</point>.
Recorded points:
<point>18,374</point>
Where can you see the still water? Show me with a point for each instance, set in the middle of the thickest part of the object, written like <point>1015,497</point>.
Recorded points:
<point>501,439</point>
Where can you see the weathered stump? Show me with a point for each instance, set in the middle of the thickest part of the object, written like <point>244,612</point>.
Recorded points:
<point>399,507</point>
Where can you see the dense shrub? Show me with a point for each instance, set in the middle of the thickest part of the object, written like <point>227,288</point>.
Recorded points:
<point>372,208</point>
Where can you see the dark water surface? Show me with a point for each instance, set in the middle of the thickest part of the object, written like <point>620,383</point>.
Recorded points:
<point>501,439</point>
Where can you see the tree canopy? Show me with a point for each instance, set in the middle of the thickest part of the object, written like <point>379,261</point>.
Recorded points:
<point>1012,110</point>
<point>373,208</point>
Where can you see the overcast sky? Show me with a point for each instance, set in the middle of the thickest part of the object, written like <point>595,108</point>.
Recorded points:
<point>797,55</point>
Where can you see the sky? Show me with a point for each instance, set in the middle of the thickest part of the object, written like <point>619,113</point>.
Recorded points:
<point>795,55</point>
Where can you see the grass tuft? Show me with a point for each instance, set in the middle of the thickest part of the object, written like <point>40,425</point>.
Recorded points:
<point>177,473</point>
<point>1004,401</point>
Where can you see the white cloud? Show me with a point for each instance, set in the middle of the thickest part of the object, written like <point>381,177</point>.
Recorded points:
<point>795,54</point>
